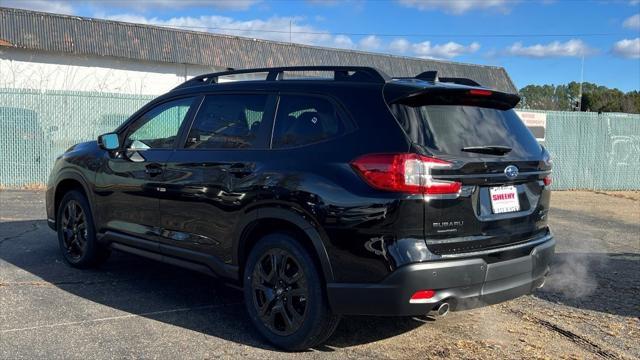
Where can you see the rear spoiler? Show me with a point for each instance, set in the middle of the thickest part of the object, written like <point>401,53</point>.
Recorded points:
<point>432,76</point>
<point>437,95</point>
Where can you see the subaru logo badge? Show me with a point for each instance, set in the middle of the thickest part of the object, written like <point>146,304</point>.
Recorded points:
<point>511,171</point>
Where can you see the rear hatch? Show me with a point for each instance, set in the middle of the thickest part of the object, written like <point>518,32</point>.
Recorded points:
<point>502,172</point>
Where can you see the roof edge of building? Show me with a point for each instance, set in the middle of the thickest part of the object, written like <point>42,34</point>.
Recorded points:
<point>244,38</point>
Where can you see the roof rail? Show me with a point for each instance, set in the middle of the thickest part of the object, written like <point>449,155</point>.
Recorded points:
<point>433,76</point>
<point>341,73</point>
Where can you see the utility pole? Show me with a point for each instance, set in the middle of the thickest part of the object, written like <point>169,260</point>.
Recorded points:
<point>581,81</point>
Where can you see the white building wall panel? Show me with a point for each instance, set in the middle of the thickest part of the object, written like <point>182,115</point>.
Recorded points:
<point>28,69</point>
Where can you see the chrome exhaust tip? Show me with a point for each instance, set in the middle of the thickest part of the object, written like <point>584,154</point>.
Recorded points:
<point>544,280</point>
<point>440,310</point>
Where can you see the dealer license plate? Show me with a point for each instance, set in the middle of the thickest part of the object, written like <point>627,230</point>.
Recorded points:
<point>504,199</point>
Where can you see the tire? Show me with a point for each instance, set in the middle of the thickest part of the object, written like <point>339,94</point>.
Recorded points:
<point>290,309</point>
<point>76,232</point>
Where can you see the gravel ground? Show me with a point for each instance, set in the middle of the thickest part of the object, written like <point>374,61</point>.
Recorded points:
<point>133,307</point>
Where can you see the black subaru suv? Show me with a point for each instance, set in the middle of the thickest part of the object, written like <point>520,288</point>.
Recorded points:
<point>322,191</point>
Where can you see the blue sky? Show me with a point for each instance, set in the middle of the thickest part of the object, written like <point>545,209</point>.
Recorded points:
<point>538,42</point>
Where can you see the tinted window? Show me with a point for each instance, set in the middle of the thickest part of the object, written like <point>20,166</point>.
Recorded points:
<point>304,120</point>
<point>228,121</point>
<point>449,128</point>
<point>158,128</point>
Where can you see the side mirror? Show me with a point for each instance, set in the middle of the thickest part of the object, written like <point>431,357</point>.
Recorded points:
<point>109,141</point>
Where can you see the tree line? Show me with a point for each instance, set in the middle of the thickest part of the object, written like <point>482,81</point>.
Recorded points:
<point>566,98</point>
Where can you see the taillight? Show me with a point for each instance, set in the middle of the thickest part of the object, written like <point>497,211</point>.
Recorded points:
<point>480,92</point>
<point>547,180</point>
<point>410,173</point>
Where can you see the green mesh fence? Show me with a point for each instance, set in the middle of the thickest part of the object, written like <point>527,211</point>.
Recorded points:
<point>37,126</point>
<point>590,151</point>
<point>594,151</point>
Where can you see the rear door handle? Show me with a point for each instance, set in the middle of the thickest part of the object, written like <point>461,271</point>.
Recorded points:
<point>153,169</point>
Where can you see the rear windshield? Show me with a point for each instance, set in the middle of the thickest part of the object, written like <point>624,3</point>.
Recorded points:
<point>448,129</point>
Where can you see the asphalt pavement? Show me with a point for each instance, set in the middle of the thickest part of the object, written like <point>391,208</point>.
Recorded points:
<point>136,308</point>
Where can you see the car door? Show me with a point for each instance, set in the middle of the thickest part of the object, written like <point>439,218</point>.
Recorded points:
<point>129,183</point>
<point>213,175</point>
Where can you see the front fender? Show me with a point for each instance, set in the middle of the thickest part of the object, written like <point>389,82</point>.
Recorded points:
<point>65,175</point>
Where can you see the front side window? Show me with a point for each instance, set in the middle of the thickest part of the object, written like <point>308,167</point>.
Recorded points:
<point>158,128</point>
<point>303,120</point>
<point>228,121</point>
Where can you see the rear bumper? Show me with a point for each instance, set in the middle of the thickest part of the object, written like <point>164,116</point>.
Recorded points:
<point>465,283</point>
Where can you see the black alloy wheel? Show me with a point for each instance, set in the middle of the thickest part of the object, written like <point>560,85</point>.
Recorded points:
<point>285,293</point>
<point>74,230</point>
<point>280,292</point>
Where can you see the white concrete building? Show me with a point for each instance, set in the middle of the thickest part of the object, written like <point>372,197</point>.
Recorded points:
<point>28,69</point>
<point>59,52</point>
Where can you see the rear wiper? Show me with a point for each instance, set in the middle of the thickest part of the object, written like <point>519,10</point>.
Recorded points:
<point>490,149</point>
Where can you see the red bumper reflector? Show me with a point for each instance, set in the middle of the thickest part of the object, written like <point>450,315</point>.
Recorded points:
<point>547,180</point>
<point>421,296</point>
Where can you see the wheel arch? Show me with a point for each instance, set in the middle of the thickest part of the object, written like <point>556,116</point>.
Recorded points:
<point>262,221</point>
<point>66,182</point>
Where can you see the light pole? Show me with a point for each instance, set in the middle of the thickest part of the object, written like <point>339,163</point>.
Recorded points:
<point>581,81</point>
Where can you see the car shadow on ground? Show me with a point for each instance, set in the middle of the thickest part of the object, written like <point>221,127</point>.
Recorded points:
<point>150,289</point>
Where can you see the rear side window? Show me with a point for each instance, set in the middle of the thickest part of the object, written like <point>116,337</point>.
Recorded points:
<point>447,129</point>
<point>303,120</point>
<point>227,122</point>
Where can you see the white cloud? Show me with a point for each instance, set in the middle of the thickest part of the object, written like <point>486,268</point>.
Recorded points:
<point>50,6</point>
<point>632,22</point>
<point>627,48</point>
<point>400,45</point>
<point>458,6</point>
<point>573,47</point>
<point>443,51</point>
<point>67,6</point>
<point>343,41</point>
<point>171,4</point>
<point>370,42</point>
<point>144,5</point>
